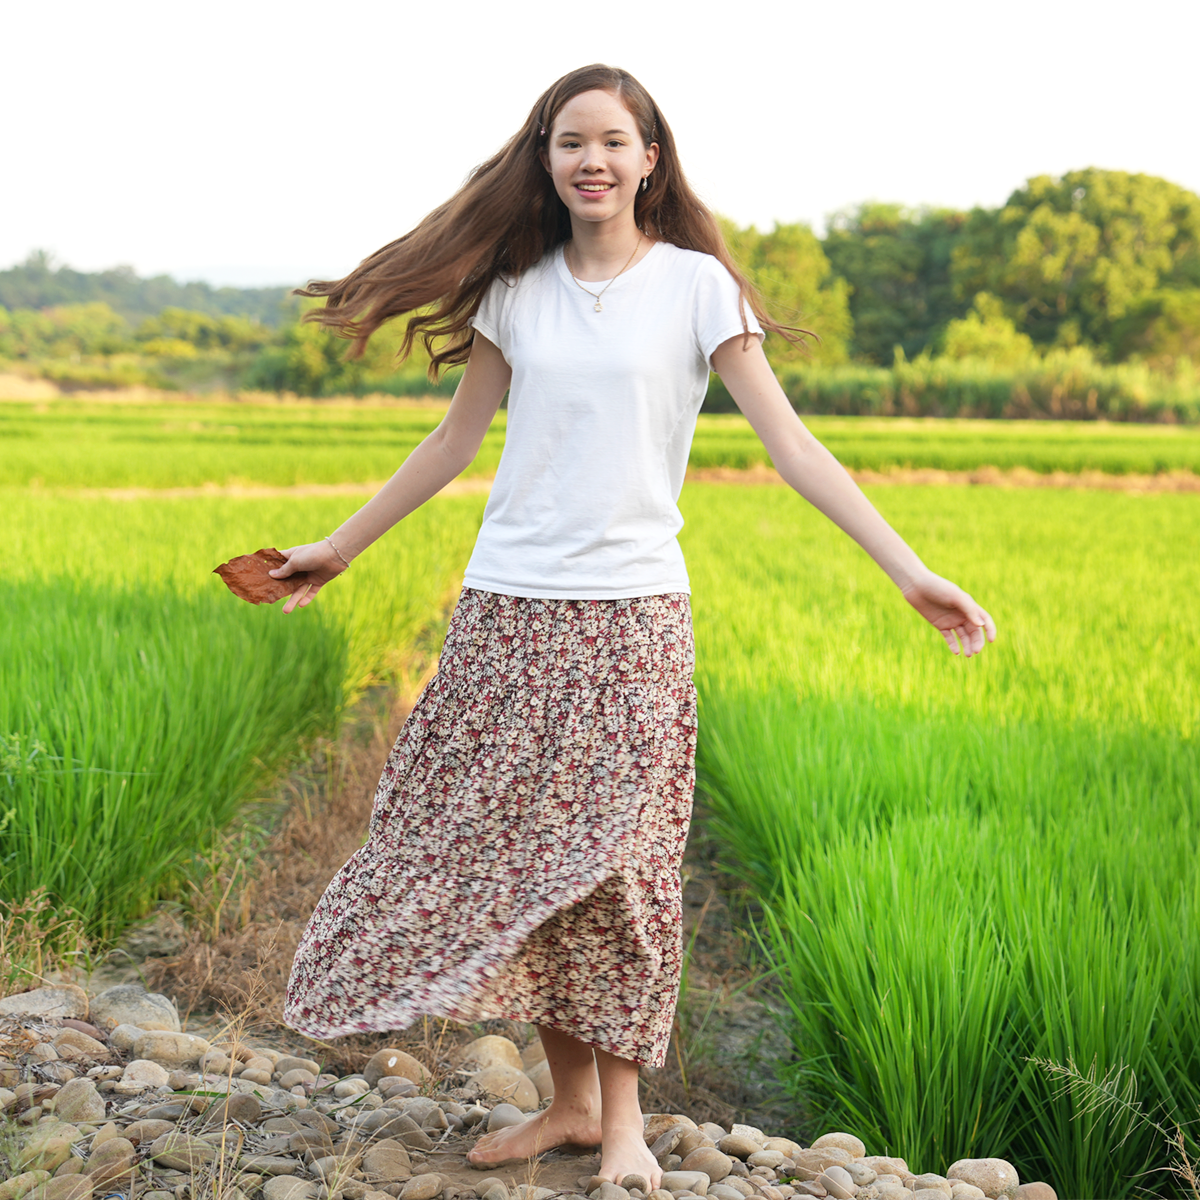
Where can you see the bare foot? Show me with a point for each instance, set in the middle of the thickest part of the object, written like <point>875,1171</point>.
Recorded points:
<point>625,1153</point>
<point>541,1132</point>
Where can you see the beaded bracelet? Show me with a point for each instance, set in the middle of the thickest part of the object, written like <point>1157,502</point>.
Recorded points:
<point>337,551</point>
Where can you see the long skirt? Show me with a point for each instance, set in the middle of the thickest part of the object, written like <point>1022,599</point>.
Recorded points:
<point>524,848</point>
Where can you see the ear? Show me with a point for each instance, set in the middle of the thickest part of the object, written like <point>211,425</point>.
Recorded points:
<point>651,156</point>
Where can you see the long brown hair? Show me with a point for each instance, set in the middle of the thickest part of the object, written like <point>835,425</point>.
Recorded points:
<point>502,221</point>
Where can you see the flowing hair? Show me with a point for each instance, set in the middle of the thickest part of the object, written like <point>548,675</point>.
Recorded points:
<point>503,220</point>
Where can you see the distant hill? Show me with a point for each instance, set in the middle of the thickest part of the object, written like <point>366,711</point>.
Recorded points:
<point>38,283</point>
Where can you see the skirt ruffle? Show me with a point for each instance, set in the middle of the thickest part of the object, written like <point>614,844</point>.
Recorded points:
<point>524,849</point>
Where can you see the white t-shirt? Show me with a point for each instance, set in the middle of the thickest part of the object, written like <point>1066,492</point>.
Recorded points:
<point>601,413</point>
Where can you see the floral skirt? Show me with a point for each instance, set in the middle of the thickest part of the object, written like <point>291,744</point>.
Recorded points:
<point>524,848</point>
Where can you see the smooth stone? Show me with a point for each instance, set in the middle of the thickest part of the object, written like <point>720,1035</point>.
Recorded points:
<point>638,1182</point>
<point>931,1182</point>
<point>283,1187</point>
<point>18,1185</point>
<point>387,1162</point>
<point>254,1075</point>
<point>44,1154</point>
<point>289,1062</point>
<point>766,1158</point>
<point>714,1131</point>
<point>1035,1191</point>
<point>422,1187</point>
<point>666,1143</point>
<point>241,1107</point>
<point>686,1181</point>
<point>609,1191</point>
<point>269,1164</point>
<point>171,1050</point>
<point>131,1004</point>
<point>123,1037</point>
<point>64,1187</point>
<point>659,1194</point>
<point>147,1072</point>
<point>785,1146</point>
<point>654,1125</point>
<point>510,1084</point>
<point>393,1062</point>
<point>350,1087</point>
<point>73,1023</point>
<point>62,1000</point>
<point>490,1051</point>
<point>884,1165</point>
<point>920,1193</point>
<point>504,1115</point>
<point>539,1075</point>
<point>694,1139</point>
<point>722,1191</point>
<point>111,1162</point>
<point>497,1191</point>
<point>146,1130</point>
<point>837,1183</point>
<point>78,1100</point>
<point>814,1161</point>
<point>742,1186</point>
<point>533,1054</point>
<point>710,1161</point>
<point>82,1042</point>
<point>297,1076</point>
<point>841,1141</point>
<point>181,1152</point>
<point>889,1192</point>
<point>738,1145</point>
<point>968,1191</point>
<point>862,1175</point>
<point>993,1176</point>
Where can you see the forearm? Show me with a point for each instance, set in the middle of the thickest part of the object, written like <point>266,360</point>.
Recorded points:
<point>812,471</point>
<point>432,465</point>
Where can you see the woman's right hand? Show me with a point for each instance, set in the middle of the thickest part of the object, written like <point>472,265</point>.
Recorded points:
<point>319,561</point>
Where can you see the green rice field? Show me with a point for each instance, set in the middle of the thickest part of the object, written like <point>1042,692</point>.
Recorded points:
<point>961,866</point>
<point>965,866</point>
<point>69,443</point>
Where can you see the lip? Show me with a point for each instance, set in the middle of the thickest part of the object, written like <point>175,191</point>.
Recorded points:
<point>580,187</point>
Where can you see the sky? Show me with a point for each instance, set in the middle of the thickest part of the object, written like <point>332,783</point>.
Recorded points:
<point>255,142</point>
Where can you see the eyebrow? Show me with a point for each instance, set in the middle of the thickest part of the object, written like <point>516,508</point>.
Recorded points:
<point>572,133</point>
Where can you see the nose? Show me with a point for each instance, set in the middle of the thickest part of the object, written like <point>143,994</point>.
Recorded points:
<point>593,159</point>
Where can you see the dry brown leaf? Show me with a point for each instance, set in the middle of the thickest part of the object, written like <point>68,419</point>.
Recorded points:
<point>246,577</point>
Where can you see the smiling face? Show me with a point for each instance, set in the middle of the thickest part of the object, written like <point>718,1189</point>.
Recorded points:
<point>597,158</point>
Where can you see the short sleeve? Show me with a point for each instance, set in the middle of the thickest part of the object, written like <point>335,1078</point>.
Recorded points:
<point>718,311</point>
<point>489,317</point>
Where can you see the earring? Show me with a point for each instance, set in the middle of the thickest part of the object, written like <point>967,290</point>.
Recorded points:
<point>645,185</point>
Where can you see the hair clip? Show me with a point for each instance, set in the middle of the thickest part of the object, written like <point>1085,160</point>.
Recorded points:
<point>541,131</point>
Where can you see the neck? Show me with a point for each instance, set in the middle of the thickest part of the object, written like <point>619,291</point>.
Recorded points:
<point>599,251</point>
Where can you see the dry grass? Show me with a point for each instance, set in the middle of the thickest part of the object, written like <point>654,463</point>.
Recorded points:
<point>36,941</point>
<point>250,907</point>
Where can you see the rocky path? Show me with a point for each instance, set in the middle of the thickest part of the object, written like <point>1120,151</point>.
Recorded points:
<point>106,1097</point>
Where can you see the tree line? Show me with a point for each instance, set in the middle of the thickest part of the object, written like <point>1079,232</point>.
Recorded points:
<point>1102,266</point>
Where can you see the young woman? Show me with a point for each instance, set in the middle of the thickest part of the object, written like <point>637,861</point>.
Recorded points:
<point>524,849</point>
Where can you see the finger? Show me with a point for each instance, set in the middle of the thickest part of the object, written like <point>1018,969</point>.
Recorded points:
<point>948,634</point>
<point>989,626</point>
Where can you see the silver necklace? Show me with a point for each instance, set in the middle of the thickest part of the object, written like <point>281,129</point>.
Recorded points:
<point>598,307</point>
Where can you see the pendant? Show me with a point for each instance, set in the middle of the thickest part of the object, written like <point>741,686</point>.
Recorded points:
<point>597,307</point>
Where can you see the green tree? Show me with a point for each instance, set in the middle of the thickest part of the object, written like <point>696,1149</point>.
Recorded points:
<point>987,333</point>
<point>798,286</point>
<point>1161,328</point>
<point>1072,257</point>
<point>897,263</point>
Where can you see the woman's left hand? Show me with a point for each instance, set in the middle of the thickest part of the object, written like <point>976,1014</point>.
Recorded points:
<point>952,612</point>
